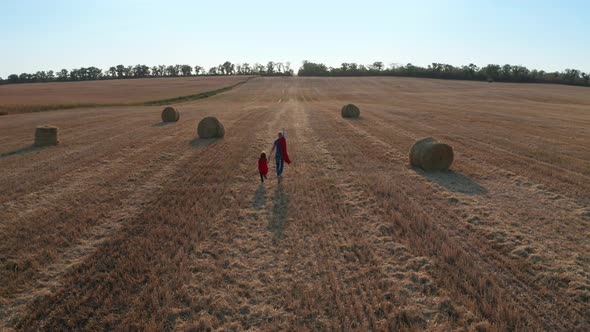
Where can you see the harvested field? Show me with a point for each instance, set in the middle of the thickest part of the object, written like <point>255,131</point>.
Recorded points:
<point>19,98</point>
<point>143,226</point>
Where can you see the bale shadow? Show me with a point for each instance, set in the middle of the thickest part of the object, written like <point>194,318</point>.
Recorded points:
<point>259,197</point>
<point>20,151</point>
<point>162,124</point>
<point>280,211</point>
<point>455,182</point>
<point>202,142</point>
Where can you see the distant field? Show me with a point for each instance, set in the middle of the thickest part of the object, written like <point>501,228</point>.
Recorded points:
<point>15,97</point>
<point>130,224</point>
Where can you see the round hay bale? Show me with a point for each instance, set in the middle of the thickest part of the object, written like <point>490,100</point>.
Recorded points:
<point>170,114</point>
<point>350,111</point>
<point>210,127</point>
<point>46,135</point>
<point>431,155</point>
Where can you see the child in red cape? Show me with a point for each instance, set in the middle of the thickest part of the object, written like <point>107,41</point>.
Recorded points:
<point>280,146</point>
<point>262,166</point>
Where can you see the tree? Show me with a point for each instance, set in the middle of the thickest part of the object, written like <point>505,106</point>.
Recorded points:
<point>93,73</point>
<point>470,70</point>
<point>571,75</point>
<point>228,68</point>
<point>12,78</point>
<point>112,72</point>
<point>246,68</point>
<point>506,72</point>
<point>141,71</point>
<point>25,77</point>
<point>120,71</point>
<point>62,75</point>
<point>520,73</point>
<point>258,69</point>
<point>155,71</point>
<point>378,66</point>
<point>75,74</point>
<point>186,70</point>
<point>213,71</point>
<point>40,76</point>
<point>198,69</point>
<point>492,71</point>
<point>312,69</point>
<point>171,71</point>
<point>83,73</point>
<point>270,68</point>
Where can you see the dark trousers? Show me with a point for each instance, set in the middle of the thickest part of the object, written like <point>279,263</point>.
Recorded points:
<point>262,177</point>
<point>280,164</point>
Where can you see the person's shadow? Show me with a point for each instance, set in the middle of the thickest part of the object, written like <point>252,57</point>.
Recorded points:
<point>280,212</point>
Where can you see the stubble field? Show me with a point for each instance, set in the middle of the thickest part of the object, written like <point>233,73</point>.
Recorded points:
<point>130,224</point>
<point>24,98</point>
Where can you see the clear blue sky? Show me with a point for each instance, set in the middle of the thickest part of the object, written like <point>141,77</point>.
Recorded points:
<point>55,34</point>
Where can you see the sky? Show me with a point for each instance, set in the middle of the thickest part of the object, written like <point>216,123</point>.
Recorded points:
<point>56,34</point>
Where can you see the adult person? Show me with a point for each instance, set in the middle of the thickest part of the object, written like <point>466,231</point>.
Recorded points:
<point>281,157</point>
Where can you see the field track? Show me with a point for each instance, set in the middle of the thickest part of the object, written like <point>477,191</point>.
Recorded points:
<point>132,224</point>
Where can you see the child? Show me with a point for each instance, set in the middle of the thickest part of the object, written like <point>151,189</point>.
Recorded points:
<point>263,166</point>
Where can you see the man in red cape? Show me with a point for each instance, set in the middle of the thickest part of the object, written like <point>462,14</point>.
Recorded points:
<point>280,146</point>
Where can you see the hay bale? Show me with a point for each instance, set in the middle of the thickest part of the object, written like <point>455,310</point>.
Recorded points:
<point>350,111</point>
<point>210,127</point>
<point>46,135</point>
<point>431,155</point>
<point>170,114</point>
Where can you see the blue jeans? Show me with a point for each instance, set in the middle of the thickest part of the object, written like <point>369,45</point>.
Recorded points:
<point>280,164</point>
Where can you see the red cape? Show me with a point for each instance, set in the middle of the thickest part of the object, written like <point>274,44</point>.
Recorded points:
<point>283,145</point>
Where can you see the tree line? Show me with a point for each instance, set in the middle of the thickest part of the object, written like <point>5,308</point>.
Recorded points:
<point>272,68</point>
<point>491,72</point>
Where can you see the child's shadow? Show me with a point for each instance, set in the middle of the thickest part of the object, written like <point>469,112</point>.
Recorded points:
<point>260,197</point>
